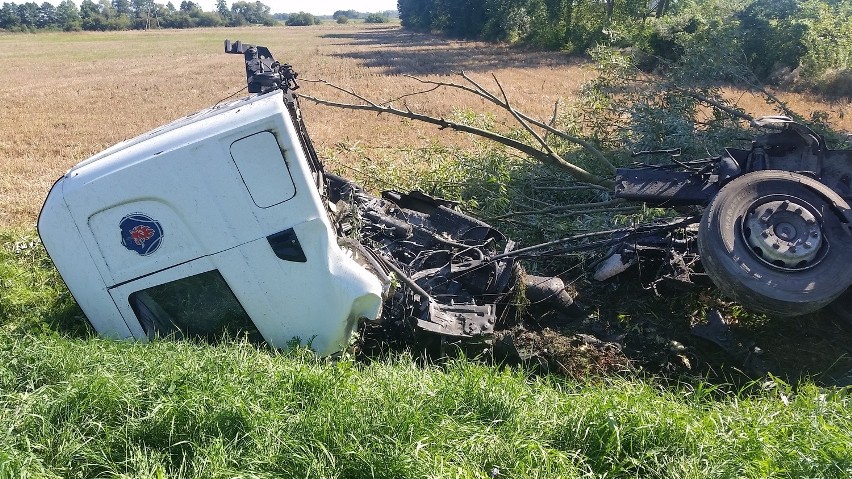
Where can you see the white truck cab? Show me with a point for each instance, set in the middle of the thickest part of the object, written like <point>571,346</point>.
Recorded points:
<point>224,223</point>
<point>214,216</point>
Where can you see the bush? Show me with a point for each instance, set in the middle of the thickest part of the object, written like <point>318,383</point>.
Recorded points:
<point>771,34</point>
<point>828,39</point>
<point>302,19</point>
<point>376,18</point>
<point>834,84</point>
<point>342,19</point>
<point>209,19</point>
<point>337,15</point>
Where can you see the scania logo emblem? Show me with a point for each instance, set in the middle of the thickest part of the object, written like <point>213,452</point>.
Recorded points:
<point>141,233</point>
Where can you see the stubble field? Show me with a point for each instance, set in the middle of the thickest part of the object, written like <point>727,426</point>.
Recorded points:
<point>67,96</point>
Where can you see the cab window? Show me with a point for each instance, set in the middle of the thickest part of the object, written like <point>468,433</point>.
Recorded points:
<point>201,306</point>
<point>263,169</point>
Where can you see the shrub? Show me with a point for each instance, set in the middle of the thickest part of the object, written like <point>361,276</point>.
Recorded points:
<point>828,39</point>
<point>834,83</point>
<point>376,18</point>
<point>302,19</point>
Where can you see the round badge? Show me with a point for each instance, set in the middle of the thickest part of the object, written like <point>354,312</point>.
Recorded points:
<point>141,233</point>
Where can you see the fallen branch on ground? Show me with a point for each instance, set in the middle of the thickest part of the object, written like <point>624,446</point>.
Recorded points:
<point>544,153</point>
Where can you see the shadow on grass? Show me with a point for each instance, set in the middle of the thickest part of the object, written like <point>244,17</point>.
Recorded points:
<point>395,52</point>
<point>658,333</point>
<point>66,318</point>
<point>817,346</point>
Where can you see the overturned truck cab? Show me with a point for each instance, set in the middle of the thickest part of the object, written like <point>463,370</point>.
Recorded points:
<point>209,225</point>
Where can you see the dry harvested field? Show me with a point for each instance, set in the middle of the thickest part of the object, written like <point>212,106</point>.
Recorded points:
<point>65,96</point>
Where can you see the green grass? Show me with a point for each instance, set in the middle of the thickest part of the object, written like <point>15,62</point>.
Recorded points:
<point>33,298</point>
<point>72,405</point>
<point>95,408</point>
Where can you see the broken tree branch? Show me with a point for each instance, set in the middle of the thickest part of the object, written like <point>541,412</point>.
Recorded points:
<point>552,121</point>
<point>782,105</point>
<point>480,91</point>
<point>564,209</point>
<point>547,157</point>
<point>344,90</point>
<point>718,105</point>
<point>572,188</point>
<point>520,120</point>
<point>410,94</point>
<point>727,109</point>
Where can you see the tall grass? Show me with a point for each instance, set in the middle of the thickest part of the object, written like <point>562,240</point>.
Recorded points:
<point>95,408</point>
<point>76,406</point>
<point>33,298</point>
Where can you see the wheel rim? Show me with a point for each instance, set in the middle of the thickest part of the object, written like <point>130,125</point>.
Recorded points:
<point>785,233</point>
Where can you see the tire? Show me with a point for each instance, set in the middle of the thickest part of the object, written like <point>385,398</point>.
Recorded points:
<point>752,240</point>
<point>842,306</point>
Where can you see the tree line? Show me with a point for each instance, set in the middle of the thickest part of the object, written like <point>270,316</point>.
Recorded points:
<point>354,14</point>
<point>776,37</point>
<point>129,14</point>
<point>301,19</point>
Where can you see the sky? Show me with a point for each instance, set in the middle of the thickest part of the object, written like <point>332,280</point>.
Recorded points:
<point>317,7</point>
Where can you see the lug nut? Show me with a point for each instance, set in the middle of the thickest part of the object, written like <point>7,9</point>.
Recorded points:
<point>776,246</point>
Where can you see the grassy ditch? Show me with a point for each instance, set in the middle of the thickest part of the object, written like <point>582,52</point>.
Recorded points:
<point>94,408</point>
<point>72,405</point>
<point>33,298</point>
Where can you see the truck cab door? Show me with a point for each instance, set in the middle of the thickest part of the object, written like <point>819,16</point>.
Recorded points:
<point>279,290</point>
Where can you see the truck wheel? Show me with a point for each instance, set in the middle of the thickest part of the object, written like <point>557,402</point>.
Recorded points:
<point>772,244</point>
<point>842,306</point>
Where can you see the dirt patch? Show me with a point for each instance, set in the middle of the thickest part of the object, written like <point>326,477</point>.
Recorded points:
<point>664,331</point>
<point>577,355</point>
<point>632,325</point>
